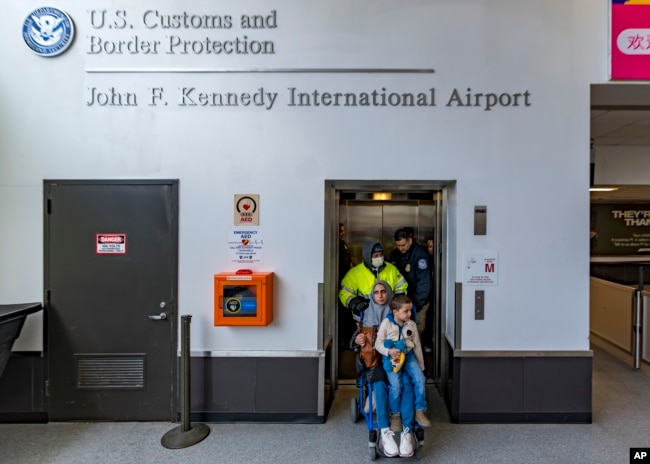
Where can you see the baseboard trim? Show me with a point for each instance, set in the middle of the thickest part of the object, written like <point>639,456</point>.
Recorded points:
<point>530,418</point>
<point>23,418</point>
<point>269,418</point>
<point>537,389</point>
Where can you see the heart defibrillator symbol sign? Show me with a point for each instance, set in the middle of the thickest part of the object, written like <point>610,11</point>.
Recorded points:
<point>247,210</point>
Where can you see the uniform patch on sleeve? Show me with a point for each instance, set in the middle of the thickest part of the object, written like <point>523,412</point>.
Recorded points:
<point>423,263</point>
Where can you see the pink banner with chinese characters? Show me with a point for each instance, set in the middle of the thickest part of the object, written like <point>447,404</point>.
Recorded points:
<point>630,46</point>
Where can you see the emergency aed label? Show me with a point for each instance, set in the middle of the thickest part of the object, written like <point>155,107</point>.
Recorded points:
<point>111,244</point>
<point>246,246</point>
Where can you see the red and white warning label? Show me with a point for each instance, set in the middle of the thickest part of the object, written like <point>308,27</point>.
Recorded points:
<point>111,244</point>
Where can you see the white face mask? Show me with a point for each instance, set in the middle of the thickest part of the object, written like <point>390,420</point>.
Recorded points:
<point>377,262</point>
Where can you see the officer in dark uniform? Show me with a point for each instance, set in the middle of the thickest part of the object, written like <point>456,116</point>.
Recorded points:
<point>414,263</point>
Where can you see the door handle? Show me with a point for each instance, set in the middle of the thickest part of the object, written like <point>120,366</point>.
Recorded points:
<point>159,317</point>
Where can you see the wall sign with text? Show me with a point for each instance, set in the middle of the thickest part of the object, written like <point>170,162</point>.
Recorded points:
<point>246,246</point>
<point>247,210</point>
<point>630,39</point>
<point>481,267</point>
<point>620,229</point>
<point>110,244</point>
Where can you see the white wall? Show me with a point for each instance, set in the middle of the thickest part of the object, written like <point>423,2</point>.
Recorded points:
<point>528,164</point>
<point>621,165</point>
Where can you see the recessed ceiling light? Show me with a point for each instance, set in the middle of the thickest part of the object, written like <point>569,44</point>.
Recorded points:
<point>603,189</point>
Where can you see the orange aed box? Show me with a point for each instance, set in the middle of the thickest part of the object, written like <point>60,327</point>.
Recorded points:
<point>243,298</point>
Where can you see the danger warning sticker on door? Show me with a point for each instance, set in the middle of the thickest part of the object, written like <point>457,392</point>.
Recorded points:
<point>111,244</point>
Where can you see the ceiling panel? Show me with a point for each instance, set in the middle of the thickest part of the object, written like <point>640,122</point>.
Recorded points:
<point>621,117</point>
<point>613,127</point>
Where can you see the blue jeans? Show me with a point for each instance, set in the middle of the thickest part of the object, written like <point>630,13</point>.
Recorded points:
<point>407,404</point>
<point>398,385</point>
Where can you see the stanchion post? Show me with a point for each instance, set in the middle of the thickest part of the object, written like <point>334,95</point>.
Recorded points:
<point>638,318</point>
<point>185,373</point>
<point>185,435</point>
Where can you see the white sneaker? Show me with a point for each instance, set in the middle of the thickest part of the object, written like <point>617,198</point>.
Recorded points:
<point>388,442</point>
<point>406,443</point>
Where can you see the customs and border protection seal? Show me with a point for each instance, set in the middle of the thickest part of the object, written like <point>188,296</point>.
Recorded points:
<point>48,31</point>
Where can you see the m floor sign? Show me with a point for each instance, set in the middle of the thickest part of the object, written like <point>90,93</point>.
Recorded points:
<point>247,210</point>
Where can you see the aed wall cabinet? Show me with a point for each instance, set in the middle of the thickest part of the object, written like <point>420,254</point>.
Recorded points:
<point>243,298</point>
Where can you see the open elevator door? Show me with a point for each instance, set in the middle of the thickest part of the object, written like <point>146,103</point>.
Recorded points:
<point>374,211</point>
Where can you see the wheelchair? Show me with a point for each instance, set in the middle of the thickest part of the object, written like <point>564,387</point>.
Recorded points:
<point>358,410</point>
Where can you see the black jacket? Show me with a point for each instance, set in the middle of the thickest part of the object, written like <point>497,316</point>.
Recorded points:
<point>415,266</point>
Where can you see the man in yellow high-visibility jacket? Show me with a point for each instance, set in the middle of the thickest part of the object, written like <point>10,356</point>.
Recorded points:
<point>358,282</point>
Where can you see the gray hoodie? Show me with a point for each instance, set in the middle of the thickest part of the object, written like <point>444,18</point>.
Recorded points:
<point>375,312</point>
<point>366,254</point>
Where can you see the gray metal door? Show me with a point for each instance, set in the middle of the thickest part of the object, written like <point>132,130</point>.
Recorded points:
<point>110,299</point>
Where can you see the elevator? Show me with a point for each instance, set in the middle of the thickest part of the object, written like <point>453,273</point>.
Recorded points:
<point>374,211</point>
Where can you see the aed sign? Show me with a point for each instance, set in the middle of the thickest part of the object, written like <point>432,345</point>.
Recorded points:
<point>247,210</point>
<point>481,267</point>
<point>111,244</point>
<point>246,246</point>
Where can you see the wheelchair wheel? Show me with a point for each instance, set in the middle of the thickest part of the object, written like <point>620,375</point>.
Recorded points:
<point>419,441</point>
<point>373,451</point>
<point>354,410</point>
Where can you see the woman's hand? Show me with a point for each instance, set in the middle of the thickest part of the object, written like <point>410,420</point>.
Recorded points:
<point>360,339</point>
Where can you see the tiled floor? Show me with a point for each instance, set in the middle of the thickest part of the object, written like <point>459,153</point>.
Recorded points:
<point>621,419</point>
